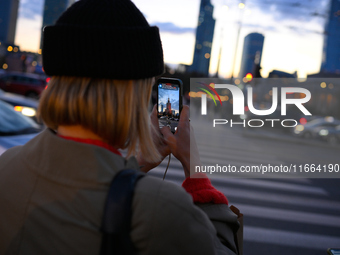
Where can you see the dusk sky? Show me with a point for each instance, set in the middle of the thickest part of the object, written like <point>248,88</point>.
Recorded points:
<point>293,31</point>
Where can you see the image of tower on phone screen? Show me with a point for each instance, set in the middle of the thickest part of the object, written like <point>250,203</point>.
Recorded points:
<point>168,100</point>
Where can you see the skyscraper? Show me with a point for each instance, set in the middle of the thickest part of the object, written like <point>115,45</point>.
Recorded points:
<point>204,37</point>
<point>251,54</point>
<point>331,49</point>
<point>53,9</point>
<point>8,20</point>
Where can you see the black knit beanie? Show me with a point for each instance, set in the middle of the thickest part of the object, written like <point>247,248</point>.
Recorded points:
<point>102,39</point>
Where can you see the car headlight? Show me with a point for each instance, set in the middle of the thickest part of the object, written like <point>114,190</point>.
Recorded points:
<point>323,132</point>
<point>27,111</point>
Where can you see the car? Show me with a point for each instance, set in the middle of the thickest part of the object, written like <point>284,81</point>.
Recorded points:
<point>15,128</point>
<point>29,85</point>
<point>26,106</point>
<point>330,134</point>
<point>312,128</point>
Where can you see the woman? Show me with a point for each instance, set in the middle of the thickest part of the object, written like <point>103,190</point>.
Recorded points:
<point>102,56</point>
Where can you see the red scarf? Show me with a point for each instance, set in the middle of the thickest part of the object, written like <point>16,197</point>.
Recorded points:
<point>93,142</point>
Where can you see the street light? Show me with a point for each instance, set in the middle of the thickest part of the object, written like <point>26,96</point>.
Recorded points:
<point>241,6</point>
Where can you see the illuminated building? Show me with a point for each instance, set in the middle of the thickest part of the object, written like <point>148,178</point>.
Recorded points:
<point>204,37</point>
<point>251,54</point>
<point>331,49</point>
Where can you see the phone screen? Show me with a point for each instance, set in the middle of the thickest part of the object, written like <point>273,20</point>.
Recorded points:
<point>169,103</point>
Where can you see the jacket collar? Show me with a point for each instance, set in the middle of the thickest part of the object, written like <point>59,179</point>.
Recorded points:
<point>70,162</point>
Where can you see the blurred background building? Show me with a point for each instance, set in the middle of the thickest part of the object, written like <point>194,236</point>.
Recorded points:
<point>251,54</point>
<point>9,53</point>
<point>11,57</point>
<point>52,11</point>
<point>331,47</point>
<point>204,39</point>
<point>8,20</point>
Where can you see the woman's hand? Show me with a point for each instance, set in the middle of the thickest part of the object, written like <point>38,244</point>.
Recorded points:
<point>158,139</point>
<point>180,145</point>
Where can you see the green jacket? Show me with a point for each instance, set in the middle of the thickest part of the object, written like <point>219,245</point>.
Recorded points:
<point>52,195</point>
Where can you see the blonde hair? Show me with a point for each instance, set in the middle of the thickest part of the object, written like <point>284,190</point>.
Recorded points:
<point>115,110</point>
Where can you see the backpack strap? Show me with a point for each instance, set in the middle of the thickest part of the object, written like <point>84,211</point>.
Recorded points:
<point>116,223</point>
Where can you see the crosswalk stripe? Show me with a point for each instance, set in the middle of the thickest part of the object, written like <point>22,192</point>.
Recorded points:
<point>242,159</point>
<point>289,215</point>
<point>276,185</point>
<point>240,193</point>
<point>269,184</point>
<point>232,151</point>
<point>289,238</point>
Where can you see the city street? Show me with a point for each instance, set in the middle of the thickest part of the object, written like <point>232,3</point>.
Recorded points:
<point>281,215</point>
<point>262,79</point>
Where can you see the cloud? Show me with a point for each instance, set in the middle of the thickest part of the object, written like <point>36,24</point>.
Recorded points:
<point>31,9</point>
<point>175,105</point>
<point>252,25</point>
<point>172,28</point>
<point>300,17</point>
<point>299,10</point>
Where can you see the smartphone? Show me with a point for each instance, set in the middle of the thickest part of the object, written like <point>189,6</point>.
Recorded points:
<point>332,251</point>
<point>169,102</point>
